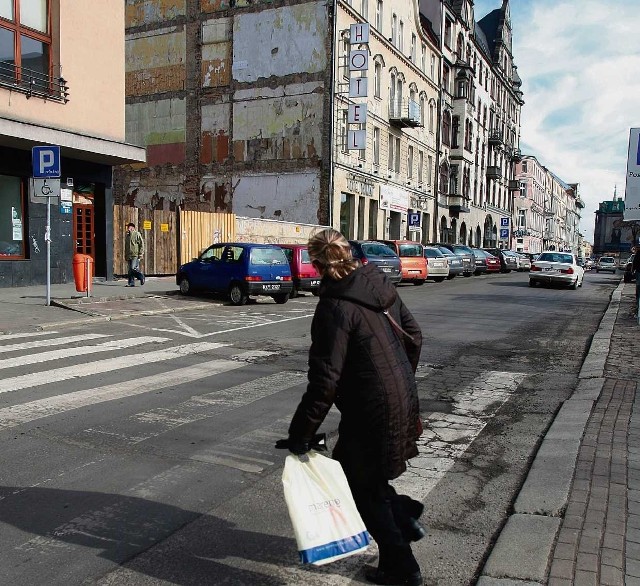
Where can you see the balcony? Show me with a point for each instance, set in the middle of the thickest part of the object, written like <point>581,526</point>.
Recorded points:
<point>494,172</point>
<point>579,203</point>
<point>33,83</point>
<point>516,155</point>
<point>514,185</point>
<point>458,203</point>
<point>495,137</point>
<point>405,114</point>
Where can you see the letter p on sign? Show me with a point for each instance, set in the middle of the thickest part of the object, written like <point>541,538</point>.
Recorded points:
<point>46,161</point>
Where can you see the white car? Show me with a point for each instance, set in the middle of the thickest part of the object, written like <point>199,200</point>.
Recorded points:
<point>560,268</point>
<point>606,263</point>
<point>437,264</point>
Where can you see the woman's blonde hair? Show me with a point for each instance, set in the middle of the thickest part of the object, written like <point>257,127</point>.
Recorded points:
<point>331,250</point>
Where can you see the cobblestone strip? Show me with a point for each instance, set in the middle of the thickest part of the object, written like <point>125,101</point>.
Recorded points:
<point>632,577</point>
<point>591,544</point>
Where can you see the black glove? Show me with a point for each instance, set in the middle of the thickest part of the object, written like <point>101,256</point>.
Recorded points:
<point>299,447</point>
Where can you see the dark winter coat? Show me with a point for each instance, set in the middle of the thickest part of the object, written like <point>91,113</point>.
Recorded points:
<point>358,361</point>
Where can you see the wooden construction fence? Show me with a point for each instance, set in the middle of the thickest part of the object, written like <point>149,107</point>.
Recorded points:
<point>198,230</point>
<point>169,236</point>
<point>159,232</point>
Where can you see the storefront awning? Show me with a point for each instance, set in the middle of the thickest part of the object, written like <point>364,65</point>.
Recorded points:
<point>24,135</point>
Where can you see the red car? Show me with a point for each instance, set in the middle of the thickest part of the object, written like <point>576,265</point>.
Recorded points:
<point>493,262</point>
<point>303,273</point>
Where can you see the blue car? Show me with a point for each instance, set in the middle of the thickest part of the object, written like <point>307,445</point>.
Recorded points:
<point>239,270</point>
<point>379,254</point>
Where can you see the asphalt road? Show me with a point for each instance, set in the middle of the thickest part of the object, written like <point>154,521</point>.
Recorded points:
<point>140,451</point>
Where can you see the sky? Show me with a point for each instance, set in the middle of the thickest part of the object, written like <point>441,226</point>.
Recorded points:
<point>579,61</point>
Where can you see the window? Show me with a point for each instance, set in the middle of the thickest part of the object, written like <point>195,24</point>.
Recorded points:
<point>377,80</point>
<point>522,219</point>
<point>429,170</point>
<point>361,203</point>
<point>394,30</point>
<point>446,129</point>
<point>397,156</point>
<point>420,167</point>
<point>390,153</point>
<point>11,220</point>
<point>410,162</point>
<point>376,146</point>
<point>447,33</point>
<point>344,131</point>
<point>364,10</point>
<point>455,131</point>
<point>379,15</point>
<point>413,50</point>
<point>445,79</point>
<point>401,36</point>
<point>524,166</point>
<point>373,219</point>
<point>347,213</point>
<point>432,73</point>
<point>25,45</point>
<point>423,59</point>
<point>422,110</point>
<point>432,116</point>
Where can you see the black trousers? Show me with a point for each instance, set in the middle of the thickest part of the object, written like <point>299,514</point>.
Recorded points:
<point>385,513</point>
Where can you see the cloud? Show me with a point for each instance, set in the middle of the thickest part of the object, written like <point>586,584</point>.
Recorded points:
<point>578,60</point>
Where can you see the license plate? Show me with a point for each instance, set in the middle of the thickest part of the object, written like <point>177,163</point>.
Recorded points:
<point>315,283</point>
<point>270,287</point>
<point>437,264</point>
<point>414,271</point>
<point>548,269</point>
<point>386,269</point>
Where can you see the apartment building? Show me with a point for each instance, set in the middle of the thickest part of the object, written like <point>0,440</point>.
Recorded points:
<point>383,183</point>
<point>547,211</point>
<point>480,107</point>
<point>59,86</point>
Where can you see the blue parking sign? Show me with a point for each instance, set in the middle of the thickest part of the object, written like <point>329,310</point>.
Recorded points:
<point>504,233</point>
<point>504,222</point>
<point>45,161</point>
<point>414,220</point>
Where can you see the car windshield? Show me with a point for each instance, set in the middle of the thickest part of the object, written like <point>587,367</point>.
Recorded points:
<point>433,253</point>
<point>268,256</point>
<point>411,250</point>
<point>462,250</point>
<point>555,257</point>
<point>377,249</point>
<point>607,259</point>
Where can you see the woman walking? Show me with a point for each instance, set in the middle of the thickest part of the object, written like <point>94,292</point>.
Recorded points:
<point>365,347</point>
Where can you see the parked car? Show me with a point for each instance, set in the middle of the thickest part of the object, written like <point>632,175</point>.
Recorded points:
<point>438,264</point>
<point>628,270</point>
<point>414,265</point>
<point>525,262</point>
<point>480,261</point>
<point>371,251</point>
<point>464,252</point>
<point>454,260</point>
<point>507,262</point>
<point>606,263</point>
<point>492,262</point>
<point>516,257</point>
<point>240,270</point>
<point>303,274</point>
<point>559,268</point>
<point>589,264</point>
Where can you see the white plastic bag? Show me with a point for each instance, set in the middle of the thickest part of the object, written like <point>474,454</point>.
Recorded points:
<point>326,522</point>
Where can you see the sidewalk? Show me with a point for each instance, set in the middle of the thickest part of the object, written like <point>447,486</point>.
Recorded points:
<point>577,517</point>
<point>24,309</point>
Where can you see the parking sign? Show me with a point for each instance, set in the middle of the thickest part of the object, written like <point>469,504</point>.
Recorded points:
<point>504,222</point>
<point>45,161</point>
<point>504,233</point>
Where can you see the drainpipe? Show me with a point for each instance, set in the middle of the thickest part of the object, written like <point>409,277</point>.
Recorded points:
<point>332,120</point>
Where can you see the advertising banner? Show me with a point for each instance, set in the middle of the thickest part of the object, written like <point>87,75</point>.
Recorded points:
<point>632,193</point>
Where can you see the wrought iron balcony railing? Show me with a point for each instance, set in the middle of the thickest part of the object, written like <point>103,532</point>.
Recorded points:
<point>33,83</point>
<point>405,114</point>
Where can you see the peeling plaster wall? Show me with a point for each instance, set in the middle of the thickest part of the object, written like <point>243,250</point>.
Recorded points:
<point>291,197</point>
<point>216,52</point>
<point>284,123</point>
<point>141,12</point>
<point>273,232</point>
<point>215,133</point>
<point>291,40</point>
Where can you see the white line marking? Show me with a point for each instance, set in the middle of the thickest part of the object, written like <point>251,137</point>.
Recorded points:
<point>35,379</point>
<point>447,436</point>
<point>152,423</point>
<point>81,351</point>
<point>188,328</point>
<point>27,412</point>
<point>51,342</point>
<point>25,335</point>
<point>269,323</point>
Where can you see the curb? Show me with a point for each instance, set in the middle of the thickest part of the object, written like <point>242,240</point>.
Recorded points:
<point>525,544</point>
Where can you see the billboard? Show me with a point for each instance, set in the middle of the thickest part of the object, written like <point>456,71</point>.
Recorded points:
<point>632,193</point>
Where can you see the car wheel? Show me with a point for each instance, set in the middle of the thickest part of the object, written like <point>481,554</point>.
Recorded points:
<point>450,277</point>
<point>532,283</point>
<point>237,295</point>
<point>438,279</point>
<point>419,282</point>
<point>574,286</point>
<point>468,274</point>
<point>185,286</point>
<point>282,298</point>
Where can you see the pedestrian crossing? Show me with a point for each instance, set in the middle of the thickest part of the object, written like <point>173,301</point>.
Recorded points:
<point>101,377</point>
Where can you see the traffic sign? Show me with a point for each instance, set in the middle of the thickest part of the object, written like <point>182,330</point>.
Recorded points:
<point>45,187</point>
<point>504,222</point>
<point>414,220</point>
<point>504,233</point>
<point>45,161</point>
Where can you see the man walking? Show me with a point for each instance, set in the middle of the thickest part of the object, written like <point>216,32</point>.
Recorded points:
<point>133,252</point>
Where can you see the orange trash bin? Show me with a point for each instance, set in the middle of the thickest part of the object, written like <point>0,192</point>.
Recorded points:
<point>80,271</point>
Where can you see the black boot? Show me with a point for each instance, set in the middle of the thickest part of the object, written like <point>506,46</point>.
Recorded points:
<point>381,577</point>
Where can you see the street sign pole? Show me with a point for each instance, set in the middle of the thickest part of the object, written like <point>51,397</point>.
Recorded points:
<point>45,162</point>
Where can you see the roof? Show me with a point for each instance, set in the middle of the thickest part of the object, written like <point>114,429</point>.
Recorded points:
<point>481,40</point>
<point>427,27</point>
<point>489,25</point>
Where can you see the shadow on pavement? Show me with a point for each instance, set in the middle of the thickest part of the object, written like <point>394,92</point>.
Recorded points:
<point>119,528</point>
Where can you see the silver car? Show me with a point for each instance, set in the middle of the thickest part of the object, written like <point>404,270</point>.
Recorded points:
<point>437,264</point>
<point>525,262</point>
<point>606,263</point>
<point>559,268</point>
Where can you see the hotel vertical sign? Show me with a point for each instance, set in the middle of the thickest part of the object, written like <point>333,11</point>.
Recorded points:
<point>358,87</point>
